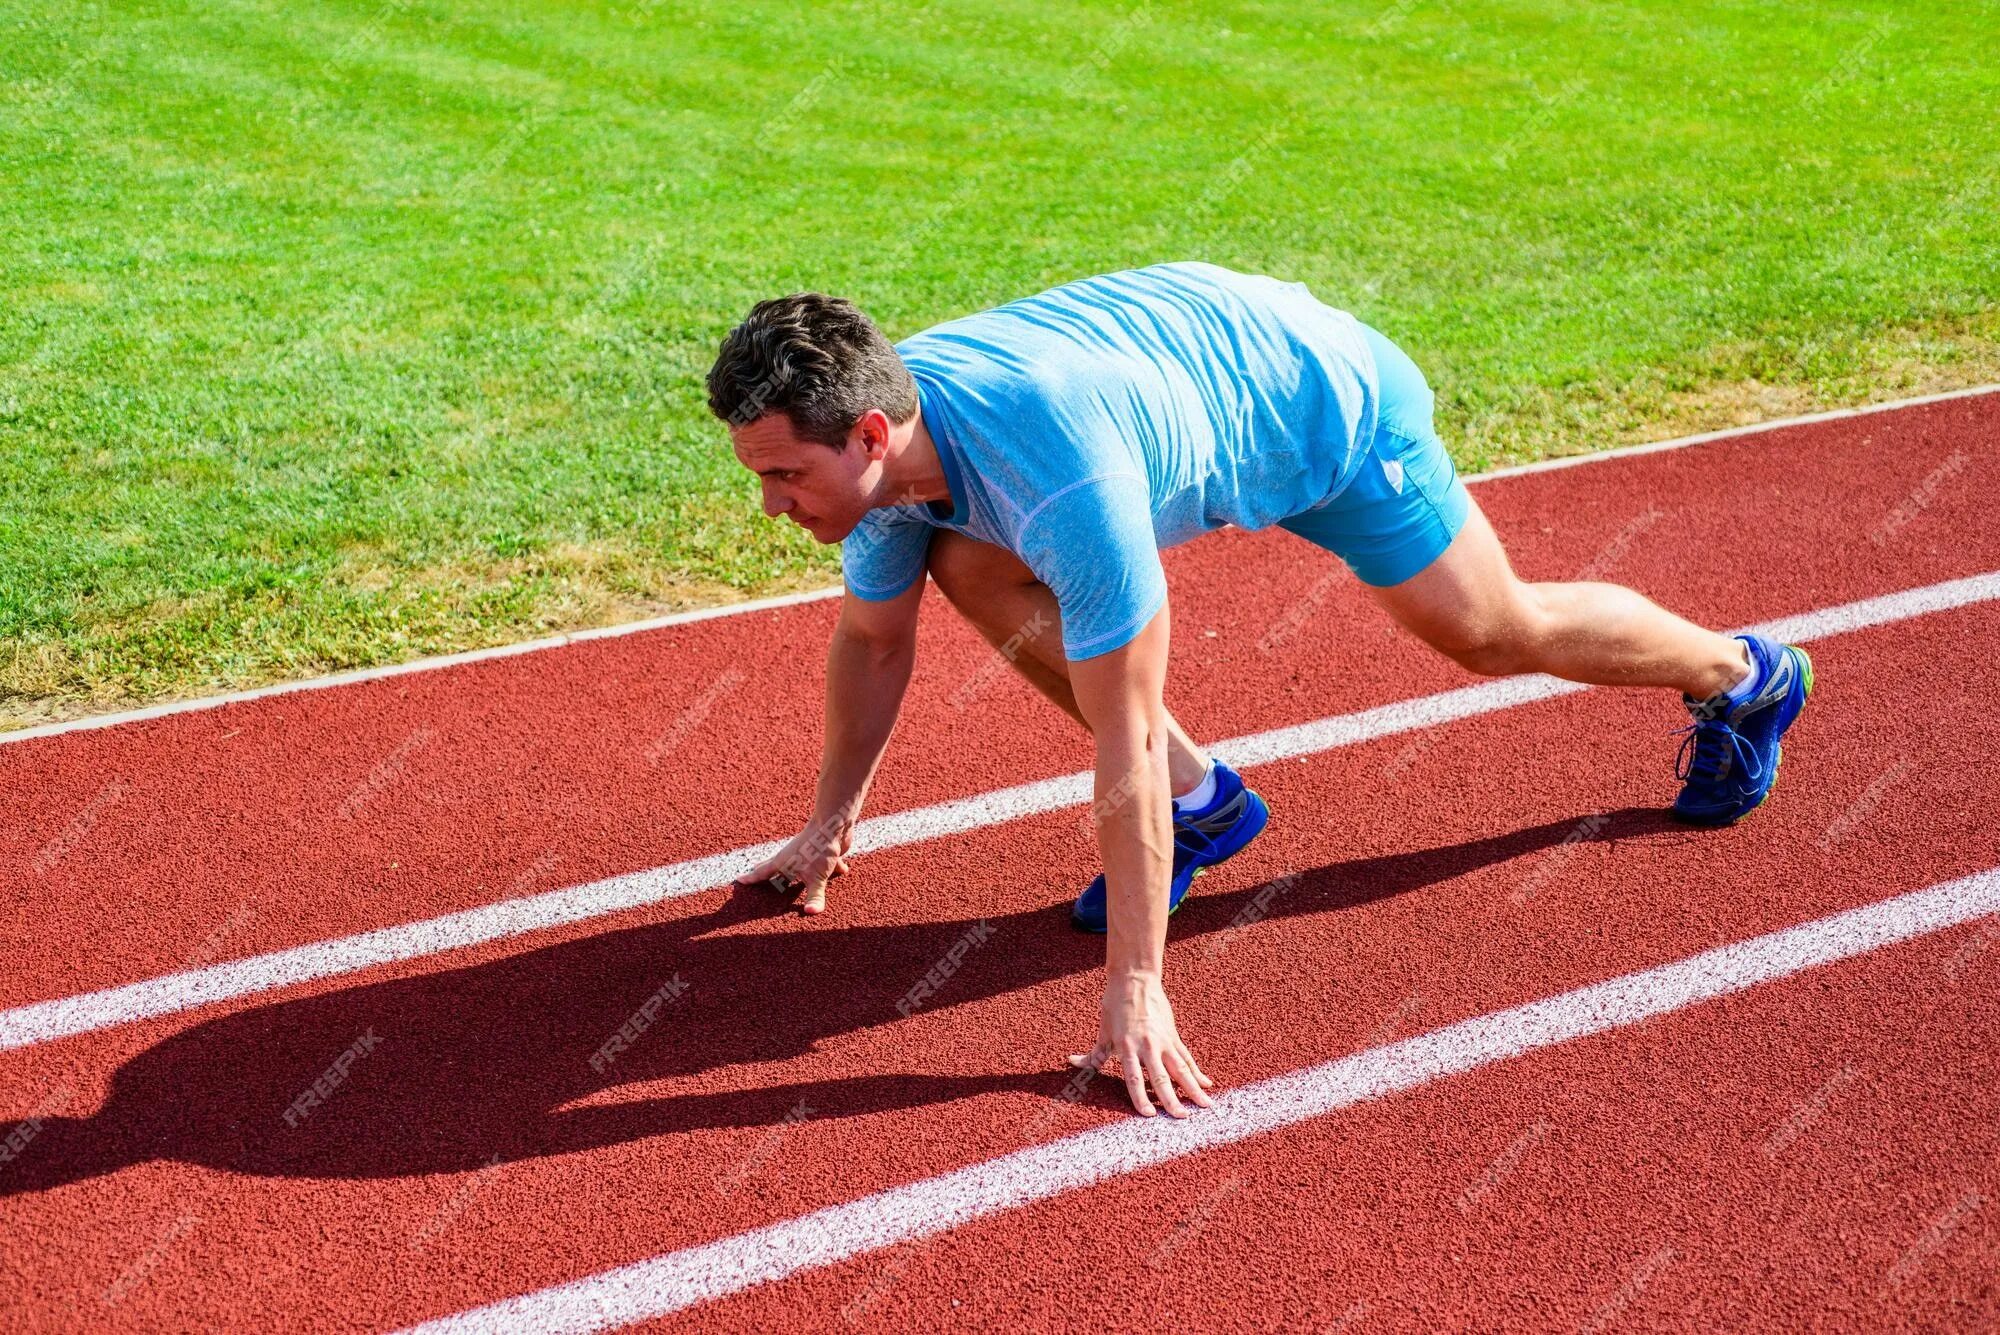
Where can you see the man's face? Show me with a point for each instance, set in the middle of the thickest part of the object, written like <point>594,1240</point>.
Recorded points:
<point>824,491</point>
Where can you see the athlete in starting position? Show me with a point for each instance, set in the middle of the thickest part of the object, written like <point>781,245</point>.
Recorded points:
<point>1035,458</point>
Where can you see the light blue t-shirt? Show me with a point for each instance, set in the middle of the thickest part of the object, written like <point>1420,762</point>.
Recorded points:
<point>1088,427</point>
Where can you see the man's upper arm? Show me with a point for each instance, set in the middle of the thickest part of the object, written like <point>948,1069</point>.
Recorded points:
<point>882,621</point>
<point>1093,544</point>
<point>882,564</point>
<point>1121,693</point>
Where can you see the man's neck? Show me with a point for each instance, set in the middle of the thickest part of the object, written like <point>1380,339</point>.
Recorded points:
<point>915,473</point>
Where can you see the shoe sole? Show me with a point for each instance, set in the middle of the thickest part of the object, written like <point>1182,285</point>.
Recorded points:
<point>1777,759</point>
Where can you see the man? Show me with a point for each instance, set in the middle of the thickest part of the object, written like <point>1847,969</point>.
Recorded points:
<point>1033,459</point>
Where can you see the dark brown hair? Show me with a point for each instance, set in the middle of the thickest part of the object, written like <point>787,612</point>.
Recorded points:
<point>815,358</point>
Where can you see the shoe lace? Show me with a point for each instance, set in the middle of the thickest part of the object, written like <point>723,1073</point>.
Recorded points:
<point>1191,841</point>
<point>1706,744</point>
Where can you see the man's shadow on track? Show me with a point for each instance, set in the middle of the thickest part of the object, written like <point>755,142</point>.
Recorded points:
<point>480,1063</point>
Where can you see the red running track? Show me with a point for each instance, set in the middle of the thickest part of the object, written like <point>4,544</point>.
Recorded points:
<point>473,1153</point>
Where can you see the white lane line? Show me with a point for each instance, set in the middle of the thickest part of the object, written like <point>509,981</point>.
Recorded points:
<point>43,1021</point>
<point>682,1279</point>
<point>96,721</point>
<point>815,595</point>
<point>1733,432</point>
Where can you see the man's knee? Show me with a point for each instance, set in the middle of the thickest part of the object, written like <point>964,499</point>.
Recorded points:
<point>1490,656</point>
<point>1509,642</point>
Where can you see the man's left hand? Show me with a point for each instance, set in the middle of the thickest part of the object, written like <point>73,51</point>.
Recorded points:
<point>1138,1029</point>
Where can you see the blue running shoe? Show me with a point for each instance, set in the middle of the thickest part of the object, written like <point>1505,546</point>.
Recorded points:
<point>1729,762</point>
<point>1216,833</point>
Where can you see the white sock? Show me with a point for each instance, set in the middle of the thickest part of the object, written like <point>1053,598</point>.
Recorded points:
<point>1747,685</point>
<point>1202,794</point>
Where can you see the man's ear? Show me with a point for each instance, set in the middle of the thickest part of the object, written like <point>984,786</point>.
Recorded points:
<point>873,429</point>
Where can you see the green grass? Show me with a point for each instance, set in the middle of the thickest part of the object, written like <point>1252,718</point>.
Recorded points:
<point>336,332</point>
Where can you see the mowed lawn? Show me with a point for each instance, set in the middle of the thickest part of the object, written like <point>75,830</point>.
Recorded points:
<point>336,332</point>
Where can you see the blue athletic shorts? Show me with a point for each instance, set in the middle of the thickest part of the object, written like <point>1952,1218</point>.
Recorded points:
<point>1406,504</point>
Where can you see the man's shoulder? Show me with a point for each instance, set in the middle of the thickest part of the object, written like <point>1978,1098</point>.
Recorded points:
<point>899,516</point>
<point>879,552</point>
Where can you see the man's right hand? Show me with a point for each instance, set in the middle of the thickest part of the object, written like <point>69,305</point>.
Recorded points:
<point>866,672</point>
<point>801,869</point>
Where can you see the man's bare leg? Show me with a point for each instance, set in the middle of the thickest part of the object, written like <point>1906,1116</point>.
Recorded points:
<point>1469,605</point>
<point>1017,614</point>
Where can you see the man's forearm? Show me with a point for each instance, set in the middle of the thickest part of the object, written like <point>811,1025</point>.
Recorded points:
<point>1135,838</point>
<point>1119,693</point>
<point>864,693</point>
